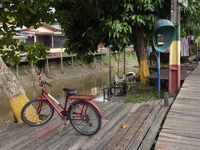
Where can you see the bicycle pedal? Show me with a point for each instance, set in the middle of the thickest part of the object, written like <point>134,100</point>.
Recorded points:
<point>67,122</point>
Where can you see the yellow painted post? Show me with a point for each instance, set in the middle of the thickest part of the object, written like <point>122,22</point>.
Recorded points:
<point>144,71</point>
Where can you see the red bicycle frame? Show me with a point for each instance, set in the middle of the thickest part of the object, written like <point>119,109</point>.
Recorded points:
<point>45,96</point>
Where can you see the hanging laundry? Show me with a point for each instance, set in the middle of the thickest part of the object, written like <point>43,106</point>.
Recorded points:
<point>149,50</point>
<point>181,46</point>
<point>184,49</point>
<point>167,51</point>
<point>30,35</point>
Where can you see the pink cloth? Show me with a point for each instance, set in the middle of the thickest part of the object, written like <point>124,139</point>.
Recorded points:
<point>167,51</point>
<point>149,51</point>
<point>184,47</point>
<point>30,34</point>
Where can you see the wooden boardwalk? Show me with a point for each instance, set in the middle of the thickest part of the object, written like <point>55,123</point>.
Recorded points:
<point>142,120</point>
<point>181,130</point>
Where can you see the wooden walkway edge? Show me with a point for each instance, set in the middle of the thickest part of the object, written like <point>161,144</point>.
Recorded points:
<point>142,120</point>
<point>181,129</point>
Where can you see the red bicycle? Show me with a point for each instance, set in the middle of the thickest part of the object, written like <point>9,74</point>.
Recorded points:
<point>84,115</point>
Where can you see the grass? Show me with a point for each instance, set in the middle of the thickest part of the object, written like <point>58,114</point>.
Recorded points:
<point>141,96</point>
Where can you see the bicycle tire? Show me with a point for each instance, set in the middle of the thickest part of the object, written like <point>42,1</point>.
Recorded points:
<point>92,123</point>
<point>30,116</point>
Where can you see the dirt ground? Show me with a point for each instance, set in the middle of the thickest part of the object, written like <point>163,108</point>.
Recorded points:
<point>69,72</point>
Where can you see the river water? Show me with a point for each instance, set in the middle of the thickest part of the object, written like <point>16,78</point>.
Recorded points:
<point>91,85</point>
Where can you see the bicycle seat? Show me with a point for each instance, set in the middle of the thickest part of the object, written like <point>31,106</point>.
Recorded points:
<point>70,91</point>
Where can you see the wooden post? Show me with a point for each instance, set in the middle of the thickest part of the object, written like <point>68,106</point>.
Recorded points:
<point>196,53</point>
<point>61,59</point>
<point>115,55</point>
<point>166,99</point>
<point>17,70</point>
<point>124,61</point>
<point>72,61</point>
<point>82,61</point>
<point>32,70</point>
<point>109,68</point>
<point>47,67</point>
<point>190,44</point>
<point>94,60</point>
<point>104,95</point>
<point>118,64</point>
<point>196,49</point>
<point>101,52</point>
<point>52,41</point>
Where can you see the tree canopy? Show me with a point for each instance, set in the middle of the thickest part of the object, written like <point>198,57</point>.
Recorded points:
<point>86,23</point>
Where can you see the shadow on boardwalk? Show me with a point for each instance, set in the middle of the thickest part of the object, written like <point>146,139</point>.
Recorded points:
<point>143,122</point>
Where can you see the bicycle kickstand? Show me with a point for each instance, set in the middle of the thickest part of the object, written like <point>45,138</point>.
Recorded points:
<point>65,122</point>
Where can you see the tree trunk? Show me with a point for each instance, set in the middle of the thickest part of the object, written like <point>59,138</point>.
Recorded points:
<point>13,91</point>
<point>138,40</point>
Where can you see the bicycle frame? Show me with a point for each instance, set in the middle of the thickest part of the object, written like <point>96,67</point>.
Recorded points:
<point>45,96</point>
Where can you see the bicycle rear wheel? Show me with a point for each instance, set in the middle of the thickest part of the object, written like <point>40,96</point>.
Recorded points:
<point>35,114</point>
<point>92,119</point>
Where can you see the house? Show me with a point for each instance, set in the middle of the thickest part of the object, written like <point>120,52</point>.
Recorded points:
<point>47,35</point>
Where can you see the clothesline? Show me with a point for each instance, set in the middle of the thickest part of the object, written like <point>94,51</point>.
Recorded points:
<point>184,46</point>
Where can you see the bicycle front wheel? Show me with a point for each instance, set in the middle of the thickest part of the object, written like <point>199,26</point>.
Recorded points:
<point>92,119</point>
<point>36,112</point>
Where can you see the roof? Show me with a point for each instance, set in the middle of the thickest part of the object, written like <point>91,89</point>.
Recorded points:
<point>55,28</point>
<point>45,29</point>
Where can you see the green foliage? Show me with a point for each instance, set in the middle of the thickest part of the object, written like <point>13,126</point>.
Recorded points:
<point>23,70</point>
<point>87,23</point>
<point>33,53</point>
<point>19,14</point>
<point>106,59</point>
<point>190,18</point>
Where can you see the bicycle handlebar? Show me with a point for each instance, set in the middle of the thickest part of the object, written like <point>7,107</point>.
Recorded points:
<point>44,82</point>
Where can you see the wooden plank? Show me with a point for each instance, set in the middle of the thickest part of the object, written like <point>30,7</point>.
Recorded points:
<point>133,129</point>
<point>154,102</point>
<point>179,139</point>
<point>183,133</point>
<point>180,124</point>
<point>188,117</point>
<point>59,141</point>
<point>111,144</point>
<point>12,131</point>
<point>136,141</point>
<point>163,145</point>
<point>81,140</point>
<point>189,93</point>
<point>20,142</point>
<point>152,133</point>
<point>119,135</point>
<point>54,132</point>
<point>115,112</point>
<point>55,139</point>
<point>186,107</point>
<point>182,128</point>
<point>187,112</point>
<point>92,141</point>
<point>100,144</point>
